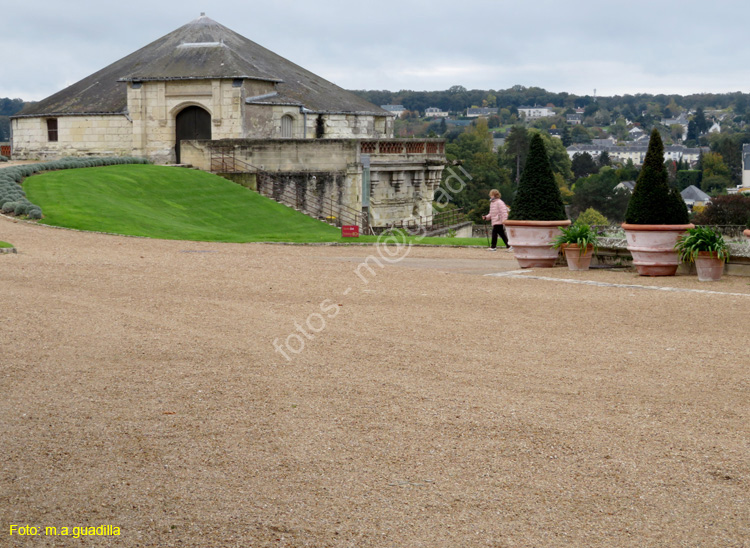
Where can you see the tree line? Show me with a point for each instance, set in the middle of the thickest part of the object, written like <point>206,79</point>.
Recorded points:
<point>8,107</point>
<point>641,107</point>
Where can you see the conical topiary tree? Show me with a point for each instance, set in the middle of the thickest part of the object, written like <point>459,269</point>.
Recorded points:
<point>653,201</point>
<point>538,197</point>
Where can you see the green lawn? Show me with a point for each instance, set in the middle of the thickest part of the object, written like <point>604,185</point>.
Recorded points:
<point>178,204</point>
<point>5,244</point>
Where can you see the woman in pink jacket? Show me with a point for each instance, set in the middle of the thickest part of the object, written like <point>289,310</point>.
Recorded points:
<point>498,214</point>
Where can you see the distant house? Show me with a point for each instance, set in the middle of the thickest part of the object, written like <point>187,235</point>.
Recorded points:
<point>395,110</point>
<point>636,132</point>
<point>592,149</point>
<point>574,119</point>
<point>636,152</point>
<point>609,141</point>
<point>434,112</point>
<point>532,113</point>
<point>694,196</point>
<point>681,120</point>
<point>480,112</point>
<point>626,185</point>
<point>745,169</point>
<point>715,128</point>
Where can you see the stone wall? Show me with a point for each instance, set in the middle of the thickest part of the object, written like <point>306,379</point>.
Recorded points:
<point>108,135</point>
<point>264,122</point>
<point>319,194</point>
<point>274,155</point>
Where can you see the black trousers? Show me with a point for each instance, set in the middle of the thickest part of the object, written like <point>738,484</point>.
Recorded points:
<point>499,230</point>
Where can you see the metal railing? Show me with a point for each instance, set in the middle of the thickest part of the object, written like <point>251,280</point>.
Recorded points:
<point>428,223</point>
<point>227,162</point>
<point>321,207</point>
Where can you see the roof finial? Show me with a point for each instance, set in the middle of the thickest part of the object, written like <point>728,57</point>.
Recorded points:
<point>203,14</point>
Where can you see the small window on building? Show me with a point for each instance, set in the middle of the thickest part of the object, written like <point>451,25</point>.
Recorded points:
<point>52,129</point>
<point>287,123</point>
<point>237,83</point>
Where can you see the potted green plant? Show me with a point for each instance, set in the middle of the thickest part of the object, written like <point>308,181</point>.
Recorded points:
<point>656,216</point>
<point>538,211</point>
<point>579,242</point>
<point>707,249</point>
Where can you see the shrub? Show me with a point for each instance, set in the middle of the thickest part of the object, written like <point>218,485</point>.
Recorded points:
<point>733,209</point>
<point>653,201</point>
<point>538,196</point>
<point>9,207</point>
<point>3,159</point>
<point>579,234</point>
<point>21,208</point>
<point>592,217</point>
<point>34,213</point>
<point>701,238</point>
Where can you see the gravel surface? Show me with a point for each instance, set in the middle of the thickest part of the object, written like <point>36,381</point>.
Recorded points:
<point>431,405</point>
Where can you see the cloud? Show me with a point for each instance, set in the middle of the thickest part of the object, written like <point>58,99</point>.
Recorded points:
<point>653,46</point>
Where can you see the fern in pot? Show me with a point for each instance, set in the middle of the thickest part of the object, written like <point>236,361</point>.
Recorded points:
<point>578,242</point>
<point>705,247</point>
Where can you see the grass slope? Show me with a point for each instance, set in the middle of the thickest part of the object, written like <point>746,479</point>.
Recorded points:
<point>168,203</point>
<point>177,204</point>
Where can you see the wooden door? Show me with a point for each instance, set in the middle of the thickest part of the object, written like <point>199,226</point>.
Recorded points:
<point>192,123</point>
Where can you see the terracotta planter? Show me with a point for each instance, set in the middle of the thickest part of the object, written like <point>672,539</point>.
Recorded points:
<point>652,247</point>
<point>747,233</point>
<point>709,266</point>
<point>577,260</point>
<point>532,242</point>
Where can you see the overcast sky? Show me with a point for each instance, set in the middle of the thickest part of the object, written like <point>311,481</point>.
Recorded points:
<point>632,46</point>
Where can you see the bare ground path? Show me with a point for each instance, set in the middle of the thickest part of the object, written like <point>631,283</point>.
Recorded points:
<point>431,405</point>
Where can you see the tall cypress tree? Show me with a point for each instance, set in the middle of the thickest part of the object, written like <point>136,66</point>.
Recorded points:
<point>653,201</point>
<point>538,196</point>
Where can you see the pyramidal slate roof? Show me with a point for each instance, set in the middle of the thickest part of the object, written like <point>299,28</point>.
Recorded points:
<point>202,49</point>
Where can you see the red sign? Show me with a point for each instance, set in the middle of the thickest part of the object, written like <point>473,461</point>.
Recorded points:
<point>350,231</point>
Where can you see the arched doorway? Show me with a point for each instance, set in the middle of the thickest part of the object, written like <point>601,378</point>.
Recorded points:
<point>192,123</point>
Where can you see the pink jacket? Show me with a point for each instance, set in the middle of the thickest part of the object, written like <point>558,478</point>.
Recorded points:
<point>498,211</point>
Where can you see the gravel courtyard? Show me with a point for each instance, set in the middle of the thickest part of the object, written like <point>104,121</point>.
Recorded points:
<point>249,395</point>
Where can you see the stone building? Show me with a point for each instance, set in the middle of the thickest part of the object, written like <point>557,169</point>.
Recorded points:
<point>206,92</point>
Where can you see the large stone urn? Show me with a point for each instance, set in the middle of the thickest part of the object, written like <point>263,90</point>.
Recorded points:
<point>652,247</point>
<point>747,233</point>
<point>532,242</point>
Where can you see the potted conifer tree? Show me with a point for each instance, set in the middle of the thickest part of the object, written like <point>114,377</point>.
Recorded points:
<point>538,211</point>
<point>656,216</point>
